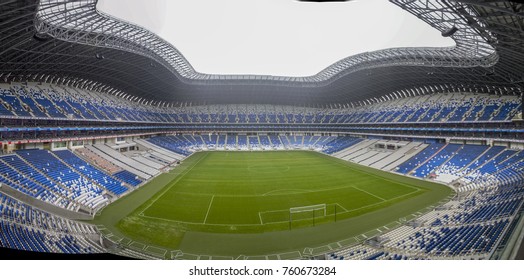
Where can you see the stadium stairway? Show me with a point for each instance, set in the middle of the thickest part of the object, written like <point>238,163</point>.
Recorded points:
<point>380,155</point>
<point>399,156</point>
<point>120,157</point>
<point>356,148</point>
<point>139,156</point>
<point>117,162</point>
<point>361,152</point>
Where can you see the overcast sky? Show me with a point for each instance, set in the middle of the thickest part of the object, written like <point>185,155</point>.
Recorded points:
<point>275,37</point>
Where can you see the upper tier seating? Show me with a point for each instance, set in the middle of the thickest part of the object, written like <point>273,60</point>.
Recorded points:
<point>46,101</point>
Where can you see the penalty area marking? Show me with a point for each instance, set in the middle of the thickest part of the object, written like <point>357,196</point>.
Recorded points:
<point>142,214</point>
<point>369,193</point>
<point>343,208</point>
<point>336,203</point>
<point>260,217</point>
<point>209,208</point>
<point>374,175</point>
<point>193,223</point>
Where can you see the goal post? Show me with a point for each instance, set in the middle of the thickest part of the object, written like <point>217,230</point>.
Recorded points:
<point>307,212</point>
<point>308,208</point>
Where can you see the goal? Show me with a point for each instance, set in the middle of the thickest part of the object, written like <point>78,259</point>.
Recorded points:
<point>307,212</point>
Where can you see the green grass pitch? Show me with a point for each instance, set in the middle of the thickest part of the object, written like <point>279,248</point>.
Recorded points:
<point>233,203</point>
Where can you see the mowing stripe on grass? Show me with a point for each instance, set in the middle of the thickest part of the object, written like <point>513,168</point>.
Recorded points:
<point>222,176</point>
<point>193,223</point>
<point>173,183</point>
<point>374,204</point>
<point>297,192</point>
<point>369,173</point>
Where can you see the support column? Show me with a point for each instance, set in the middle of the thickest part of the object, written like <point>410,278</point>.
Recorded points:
<point>522,105</point>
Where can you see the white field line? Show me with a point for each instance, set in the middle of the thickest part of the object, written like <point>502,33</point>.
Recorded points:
<point>260,217</point>
<point>266,194</point>
<point>173,184</point>
<point>306,191</point>
<point>287,210</point>
<point>377,176</point>
<point>369,205</point>
<point>345,210</point>
<point>369,193</point>
<point>294,191</point>
<point>209,208</point>
<point>193,223</point>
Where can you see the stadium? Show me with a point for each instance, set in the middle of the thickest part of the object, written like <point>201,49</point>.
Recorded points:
<point>112,143</point>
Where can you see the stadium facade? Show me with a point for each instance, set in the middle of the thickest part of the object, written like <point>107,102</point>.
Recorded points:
<point>92,108</point>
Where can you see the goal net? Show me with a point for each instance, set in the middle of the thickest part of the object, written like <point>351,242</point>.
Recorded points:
<point>307,212</point>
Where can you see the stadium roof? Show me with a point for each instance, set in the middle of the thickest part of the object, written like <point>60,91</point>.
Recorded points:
<point>70,42</point>
<point>275,37</point>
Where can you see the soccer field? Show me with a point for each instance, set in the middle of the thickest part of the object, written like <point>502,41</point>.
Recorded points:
<point>228,195</point>
<point>259,188</point>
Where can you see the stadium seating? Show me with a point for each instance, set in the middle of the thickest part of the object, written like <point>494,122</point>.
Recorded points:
<point>128,177</point>
<point>420,158</point>
<point>339,144</point>
<point>436,160</point>
<point>489,179</point>
<point>466,227</point>
<point>76,186</point>
<point>25,228</point>
<point>254,144</point>
<point>23,177</point>
<point>63,102</point>
<point>462,158</point>
<point>90,172</point>
<point>181,145</point>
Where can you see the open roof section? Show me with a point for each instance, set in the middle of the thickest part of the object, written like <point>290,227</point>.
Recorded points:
<point>275,37</point>
<point>69,42</point>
